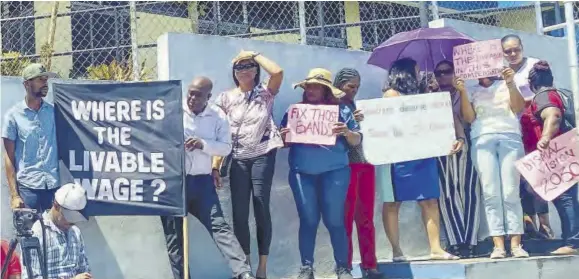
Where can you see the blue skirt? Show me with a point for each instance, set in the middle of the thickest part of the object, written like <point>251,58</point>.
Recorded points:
<point>408,181</point>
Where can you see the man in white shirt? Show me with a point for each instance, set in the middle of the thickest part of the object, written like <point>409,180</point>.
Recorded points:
<point>207,134</point>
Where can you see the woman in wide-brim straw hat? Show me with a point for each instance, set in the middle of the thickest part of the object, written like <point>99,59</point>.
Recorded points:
<point>319,175</point>
<point>255,140</point>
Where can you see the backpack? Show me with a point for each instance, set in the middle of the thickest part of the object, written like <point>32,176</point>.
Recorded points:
<point>569,107</point>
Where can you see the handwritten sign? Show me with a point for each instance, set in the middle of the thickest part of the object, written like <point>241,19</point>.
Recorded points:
<point>478,60</point>
<point>312,124</point>
<point>555,170</point>
<point>407,128</point>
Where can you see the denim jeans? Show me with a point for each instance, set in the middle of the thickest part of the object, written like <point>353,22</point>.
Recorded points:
<point>568,209</point>
<point>322,195</point>
<point>39,199</point>
<point>494,156</point>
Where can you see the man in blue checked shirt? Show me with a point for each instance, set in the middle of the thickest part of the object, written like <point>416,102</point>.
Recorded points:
<point>65,253</point>
<point>29,136</point>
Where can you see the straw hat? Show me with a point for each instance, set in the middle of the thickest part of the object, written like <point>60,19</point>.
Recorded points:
<point>244,55</point>
<point>322,77</point>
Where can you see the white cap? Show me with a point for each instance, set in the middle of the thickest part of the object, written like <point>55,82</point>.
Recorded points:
<point>72,199</point>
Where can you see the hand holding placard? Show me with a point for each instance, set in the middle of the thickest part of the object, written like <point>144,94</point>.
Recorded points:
<point>312,124</point>
<point>556,169</point>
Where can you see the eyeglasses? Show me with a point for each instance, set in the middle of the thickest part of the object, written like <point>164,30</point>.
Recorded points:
<point>241,67</point>
<point>439,73</point>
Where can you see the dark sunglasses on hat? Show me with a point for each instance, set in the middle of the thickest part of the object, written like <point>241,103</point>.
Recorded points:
<point>241,67</point>
<point>446,72</point>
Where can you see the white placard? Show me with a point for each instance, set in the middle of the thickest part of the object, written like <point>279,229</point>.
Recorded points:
<point>407,128</point>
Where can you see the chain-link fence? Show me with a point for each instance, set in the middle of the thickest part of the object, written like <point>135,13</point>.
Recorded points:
<point>518,15</point>
<point>100,39</point>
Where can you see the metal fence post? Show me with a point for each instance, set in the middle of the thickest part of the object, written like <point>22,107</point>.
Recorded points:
<point>435,14</point>
<point>423,9</point>
<point>134,42</point>
<point>538,18</point>
<point>302,16</point>
<point>573,60</point>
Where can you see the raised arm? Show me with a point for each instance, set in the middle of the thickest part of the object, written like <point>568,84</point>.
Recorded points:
<point>274,70</point>
<point>516,100</point>
<point>466,109</point>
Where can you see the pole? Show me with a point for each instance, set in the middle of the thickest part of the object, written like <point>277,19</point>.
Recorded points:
<point>302,17</point>
<point>538,18</point>
<point>134,42</point>
<point>423,14</point>
<point>185,248</point>
<point>573,60</point>
<point>435,15</point>
<point>558,33</point>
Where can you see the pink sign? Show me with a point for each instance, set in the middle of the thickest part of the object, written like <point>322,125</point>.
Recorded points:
<point>312,124</point>
<point>478,60</point>
<point>554,170</point>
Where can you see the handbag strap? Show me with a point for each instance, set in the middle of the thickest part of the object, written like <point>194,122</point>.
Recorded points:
<point>236,135</point>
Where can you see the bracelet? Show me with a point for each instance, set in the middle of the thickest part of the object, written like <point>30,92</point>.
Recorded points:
<point>461,138</point>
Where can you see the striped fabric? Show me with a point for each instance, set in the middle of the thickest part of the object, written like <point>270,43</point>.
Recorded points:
<point>249,113</point>
<point>460,188</point>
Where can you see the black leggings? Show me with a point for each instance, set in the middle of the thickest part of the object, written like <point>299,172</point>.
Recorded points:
<point>531,203</point>
<point>252,177</point>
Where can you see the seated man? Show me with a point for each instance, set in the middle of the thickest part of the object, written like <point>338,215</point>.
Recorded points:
<point>66,257</point>
<point>207,134</point>
<point>13,271</point>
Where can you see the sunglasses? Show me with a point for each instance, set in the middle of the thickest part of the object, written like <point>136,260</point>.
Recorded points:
<point>241,67</point>
<point>512,50</point>
<point>439,73</point>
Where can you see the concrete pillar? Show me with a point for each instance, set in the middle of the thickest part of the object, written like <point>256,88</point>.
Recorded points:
<point>354,33</point>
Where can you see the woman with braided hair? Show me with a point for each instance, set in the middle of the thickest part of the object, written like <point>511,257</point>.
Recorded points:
<point>542,121</point>
<point>361,191</point>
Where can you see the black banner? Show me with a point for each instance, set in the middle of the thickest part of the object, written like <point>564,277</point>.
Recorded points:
<point>124,144</point>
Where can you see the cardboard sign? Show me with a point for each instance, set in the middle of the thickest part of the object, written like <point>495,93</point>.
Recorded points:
<point>407,128</point>
<point>312,124</point>
<point>478,60</point>
<point>555,170</point>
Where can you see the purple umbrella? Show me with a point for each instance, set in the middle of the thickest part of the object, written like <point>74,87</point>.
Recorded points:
<point>427,46</point>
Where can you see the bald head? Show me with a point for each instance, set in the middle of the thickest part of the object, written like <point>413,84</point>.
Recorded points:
<point>198,93</point>
<point>202,84</point>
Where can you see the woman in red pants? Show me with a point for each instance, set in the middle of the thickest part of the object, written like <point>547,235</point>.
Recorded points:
<point>361,192</point>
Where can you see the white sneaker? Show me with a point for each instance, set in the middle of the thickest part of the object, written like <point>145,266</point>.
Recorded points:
<point>498,253</point>
<point>519,252</point>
